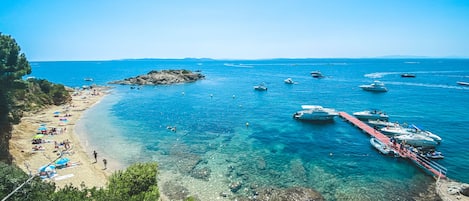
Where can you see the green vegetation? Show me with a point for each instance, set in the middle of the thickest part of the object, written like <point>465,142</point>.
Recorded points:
<point>137,182</point>
<point>18,95</point>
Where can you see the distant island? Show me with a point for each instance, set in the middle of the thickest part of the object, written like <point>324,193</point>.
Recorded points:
<point>163,77</point>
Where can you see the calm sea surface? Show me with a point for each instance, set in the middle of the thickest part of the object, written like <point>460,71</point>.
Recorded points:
<point>336,159</point>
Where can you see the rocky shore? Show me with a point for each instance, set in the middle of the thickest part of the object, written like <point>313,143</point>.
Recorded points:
<point>163,77</point>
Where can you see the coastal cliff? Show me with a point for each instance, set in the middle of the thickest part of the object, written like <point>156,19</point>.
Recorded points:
<point>163,77</point>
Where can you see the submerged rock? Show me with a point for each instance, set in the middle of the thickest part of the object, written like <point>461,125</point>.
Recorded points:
<point>175,191</point>
<point>201,173</point>
<point>289,194</point>
<point>235,186</point>
<point>163,77</point>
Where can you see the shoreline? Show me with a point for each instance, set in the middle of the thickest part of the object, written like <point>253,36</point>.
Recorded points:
<point>84,170</point>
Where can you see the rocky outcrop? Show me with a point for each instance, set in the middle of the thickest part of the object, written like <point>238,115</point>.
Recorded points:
<point>163,77</point>
<point>290,194</point>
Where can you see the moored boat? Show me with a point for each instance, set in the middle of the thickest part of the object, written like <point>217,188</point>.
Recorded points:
<point>417,140</point>
<point>317,74</point>
<point>315,113</point>
<point>382,147</point>
<point>260,87</point>
<point>371,115</point>
<point>381,123</point>
<point>289,81</point>
<point>376,86</point>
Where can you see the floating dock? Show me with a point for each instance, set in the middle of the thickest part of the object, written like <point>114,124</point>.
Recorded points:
<point>428,165</point>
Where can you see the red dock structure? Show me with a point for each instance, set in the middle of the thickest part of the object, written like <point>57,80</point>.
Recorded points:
<point>424,163</point>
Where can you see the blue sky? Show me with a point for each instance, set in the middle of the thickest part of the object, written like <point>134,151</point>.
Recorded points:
<point>236,29</point>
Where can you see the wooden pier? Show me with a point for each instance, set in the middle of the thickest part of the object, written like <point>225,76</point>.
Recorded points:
<point>424,163</point>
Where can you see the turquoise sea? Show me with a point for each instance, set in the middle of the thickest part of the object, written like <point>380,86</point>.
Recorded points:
<point>212,147</point>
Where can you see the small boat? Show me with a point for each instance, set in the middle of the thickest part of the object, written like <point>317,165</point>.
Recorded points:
<point>371,115</point>
<point>289,81</point>
<point>376,86</point>
<point>434,155</point>
<point>315,113</point>
<point>417,140</point>
<point>88,79</point>
<point>260,87</point>
<point>408,75</point>
<point>463,83</point>
<point>317,74</point>
<point>382,147</point>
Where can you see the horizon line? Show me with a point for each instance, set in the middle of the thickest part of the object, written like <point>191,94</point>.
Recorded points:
<point>257,59</point>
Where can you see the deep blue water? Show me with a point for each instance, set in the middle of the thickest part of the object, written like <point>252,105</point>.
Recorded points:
<point>275,150</point>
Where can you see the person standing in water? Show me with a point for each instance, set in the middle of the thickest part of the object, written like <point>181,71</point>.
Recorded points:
<point>105,163</point>
<point>95,154</point>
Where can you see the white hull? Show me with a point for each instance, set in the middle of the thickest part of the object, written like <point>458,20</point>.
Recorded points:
<point>381,123</point>
<point>376,86</point>
<point>371,115</point>
<point>315,113</point>
<point>381,147</point>
<point>417,140</point>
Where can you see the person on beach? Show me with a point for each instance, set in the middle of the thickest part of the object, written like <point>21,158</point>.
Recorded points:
<point>95,154</point>
<point>105,163</point>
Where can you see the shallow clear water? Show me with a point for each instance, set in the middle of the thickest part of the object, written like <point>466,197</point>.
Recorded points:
<point>275,150</point>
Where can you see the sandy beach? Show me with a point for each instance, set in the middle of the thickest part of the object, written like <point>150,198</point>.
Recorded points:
<point>82,167</point>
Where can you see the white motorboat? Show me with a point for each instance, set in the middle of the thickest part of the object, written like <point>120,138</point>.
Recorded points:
<point>434,155</point>
<point>260,87</point>
<point>376,86</point>
<point>289,81</point>
<point>417,140</point>
<point>416,130</point>
<point>371,115</point>
<point>382,147</point>
<point>317,74</point>
<point>381,123</point>
<point>412,130</point>
<point>463,83</point>
<point>395,130</point>
<point>315,113</point>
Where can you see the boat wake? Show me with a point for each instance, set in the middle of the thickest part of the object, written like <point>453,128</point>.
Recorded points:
<point>380,74</point>
<point>429,85</point>
<point>238,65</point>
<point>439,73</point>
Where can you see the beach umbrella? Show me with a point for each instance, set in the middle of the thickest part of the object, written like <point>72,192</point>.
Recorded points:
<point>38,136</point>
<point>42,128</point>
<point>62,161</point>
<point>56,112</point>
<point>47,168</point>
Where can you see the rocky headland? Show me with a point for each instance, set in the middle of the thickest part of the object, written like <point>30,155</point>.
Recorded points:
<point>163,77</point>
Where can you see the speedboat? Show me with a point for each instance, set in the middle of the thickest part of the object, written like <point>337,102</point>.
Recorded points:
<point>408,75</point>
<point>260,87</point>
<point>317,74</point>
<point>463,83</point>
<point>315,113</point>
<point>376,86</point>
<point>382,147</point>
<point>411,130</point>
<point>417,140</point>
<point>289,81</point>
<point>381,123</point>
<point>434,155</point>
<point>371,115</point>
<point>416,130</point>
